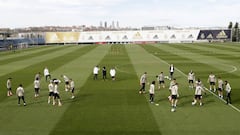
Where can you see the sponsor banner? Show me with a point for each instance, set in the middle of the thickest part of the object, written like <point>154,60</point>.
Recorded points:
<point>62,37</point>
<point>214,35</point>
<point>121,36</point>
<point>138,36</point>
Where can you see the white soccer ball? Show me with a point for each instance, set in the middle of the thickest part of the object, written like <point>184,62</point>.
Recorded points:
<point>157,104</point>
<point>172,110</point>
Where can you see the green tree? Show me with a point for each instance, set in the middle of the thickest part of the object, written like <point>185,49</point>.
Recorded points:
<point>230,25</point>
<point>235,32</point>
<point>236,28</point>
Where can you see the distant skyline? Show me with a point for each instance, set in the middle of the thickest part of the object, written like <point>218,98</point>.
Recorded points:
<point>133,13</point>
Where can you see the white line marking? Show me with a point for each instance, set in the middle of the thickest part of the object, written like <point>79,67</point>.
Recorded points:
<point>235,69</point>
<point>235,108</point>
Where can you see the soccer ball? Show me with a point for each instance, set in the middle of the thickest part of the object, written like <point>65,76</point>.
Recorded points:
<point>172,110</point>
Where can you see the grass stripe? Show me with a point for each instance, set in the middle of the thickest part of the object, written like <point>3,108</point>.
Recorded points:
<point>189,54</point>
<point>219,58</point>
<point>45,115</point>
<point>184,47</point>
<point>202,64</point>
<point>230,57</point>
<point>116,107</point>
<point>24,56</point>
<point>215,51</point>
<point>26,75</point>
<point>232,106</point>
<point>187,120</point>
<point>222,47</point>
<point>14,66</point>
<point>107,107</point>
<point>11,54</point>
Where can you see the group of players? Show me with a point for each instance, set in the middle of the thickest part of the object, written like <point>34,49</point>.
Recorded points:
<point>96,70</point>
<point>54,94</point>
<point>53,85</point>
<point>53,88</point>
<point>198,85</point>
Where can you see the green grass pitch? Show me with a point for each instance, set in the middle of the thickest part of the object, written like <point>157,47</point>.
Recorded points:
<point>115,107</point>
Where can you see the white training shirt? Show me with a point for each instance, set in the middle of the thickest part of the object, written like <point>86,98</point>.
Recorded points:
<point>172,83</point>
<point>191,76</point>
<point>72,85</point>
<point>220,83</point>
<point>198,90</point>
<point>20,91</point>
<point>143,78</point>
<point>212,78</point>
<point>50,87</point>
<point>151,90</point>
<point>112,72</point>
<point>161,77</point>
<point>46,72</point>
<point>36,84</point>
<point>174,90</point>
<point>95,70</point>
<point>56,89</point>
<point>171,68</point>
<point>228,88</point>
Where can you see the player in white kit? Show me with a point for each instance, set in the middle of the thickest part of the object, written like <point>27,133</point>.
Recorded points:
<point>198,95</point>
<point>161,81</point>
<point>220,87</point>
<point>174,97</point>
<point>191,79</point>
<point>212,82</point>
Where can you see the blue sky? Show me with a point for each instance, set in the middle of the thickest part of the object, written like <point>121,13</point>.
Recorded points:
<point>134,13</point>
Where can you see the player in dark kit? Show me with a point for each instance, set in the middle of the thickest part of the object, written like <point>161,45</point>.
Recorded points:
<point>171,71</point>
<point>104,72</point>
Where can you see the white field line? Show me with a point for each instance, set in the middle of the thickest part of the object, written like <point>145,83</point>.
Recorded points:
<point>234,69</point>
<point>235,108</point>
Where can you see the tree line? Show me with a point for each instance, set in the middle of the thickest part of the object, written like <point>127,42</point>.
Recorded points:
<point>235,31</point>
